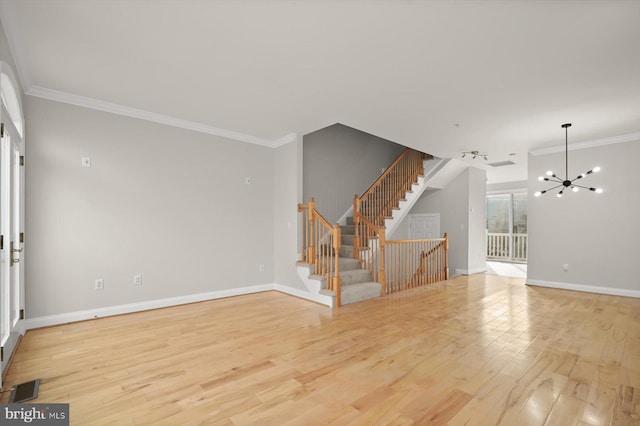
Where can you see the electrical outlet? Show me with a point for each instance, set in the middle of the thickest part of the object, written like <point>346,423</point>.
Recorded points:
<point>86,161</point>
<point>137,279</point>
<point>247,181</point>
<point>261,268</point>
<point>565,267</point>
<point>99,284</point>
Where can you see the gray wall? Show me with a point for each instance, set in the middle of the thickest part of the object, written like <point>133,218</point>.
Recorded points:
<point>288,193</point>
<point>466,229</point>
<point>339,162</point>
<point>598,235</point>
<point>477,255</point>
<point>163,202</point>
<point>507,186</point>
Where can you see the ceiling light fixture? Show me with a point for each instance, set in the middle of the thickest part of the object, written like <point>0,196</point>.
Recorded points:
<point>474,154</point>
<point>566,183</point>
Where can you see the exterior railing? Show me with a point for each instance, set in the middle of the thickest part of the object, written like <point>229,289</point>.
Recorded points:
<point>505,246</point>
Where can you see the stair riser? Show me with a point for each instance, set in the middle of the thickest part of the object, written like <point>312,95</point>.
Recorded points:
<point>348,229</point>
<point>346,251</point>
<point>347,240</point>
<point>354,277</point>
<point>359,292</point>
<point>347,264</point>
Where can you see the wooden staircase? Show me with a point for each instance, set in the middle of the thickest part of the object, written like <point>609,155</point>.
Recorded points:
<point>356,282</point>
<point>346,264</point>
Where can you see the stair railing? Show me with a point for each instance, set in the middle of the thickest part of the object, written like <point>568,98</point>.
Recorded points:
<point>414,263</point>
<point>376,204</point>
<point>368,247</point>
<point>321,246</point>
<point>379,200</point>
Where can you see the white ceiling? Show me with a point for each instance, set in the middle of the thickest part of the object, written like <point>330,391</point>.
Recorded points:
<point>508,72</point>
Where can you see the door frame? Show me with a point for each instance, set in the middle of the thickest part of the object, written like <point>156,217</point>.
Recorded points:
<point>12,203</point>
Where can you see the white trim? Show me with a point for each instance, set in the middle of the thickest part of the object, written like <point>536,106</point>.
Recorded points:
<point>508,191</point>
<point>11,29</point>
<point>82,101</point>
<point>343,218</point>
<point>471,271</point>
<point>128,308</point>
<point>288,138</point>
<point>141,306</point>
<point>317,298</point>
<point>585,288</point>
<point>588,144</point>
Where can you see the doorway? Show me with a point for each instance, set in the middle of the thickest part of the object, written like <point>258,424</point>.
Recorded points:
<point>12,294</point>
<point>507,238</point>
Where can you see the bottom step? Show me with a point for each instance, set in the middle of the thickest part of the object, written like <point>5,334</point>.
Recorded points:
<point>358,292</point>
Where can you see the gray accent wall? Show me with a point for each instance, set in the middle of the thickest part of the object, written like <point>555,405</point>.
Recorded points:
<point>597,235</point>
<point>340,162</point>
<point>163,202</point>
<point>461,205</point>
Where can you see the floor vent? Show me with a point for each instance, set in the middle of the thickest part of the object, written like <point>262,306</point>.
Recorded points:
<point>25,391</point>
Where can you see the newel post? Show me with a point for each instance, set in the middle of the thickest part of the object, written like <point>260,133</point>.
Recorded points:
<point>382,239</point>
<point>356,222</point>
<point>336,278</point>
<point>446,256</point>
<point>301,209</point>
<point>311,250</point>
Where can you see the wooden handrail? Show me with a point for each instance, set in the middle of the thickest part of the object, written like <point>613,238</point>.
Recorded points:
<point>417,262</point>
<point>384,194</point>
<point>321,246</point>
<point>370,242</point>
<point>371,256</point>
<point>386,172</point>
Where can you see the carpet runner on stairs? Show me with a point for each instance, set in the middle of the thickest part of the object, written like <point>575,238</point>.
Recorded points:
<point>356,283</point>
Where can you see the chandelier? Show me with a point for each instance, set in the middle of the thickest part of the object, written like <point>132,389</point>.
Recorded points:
<point>566,183</point>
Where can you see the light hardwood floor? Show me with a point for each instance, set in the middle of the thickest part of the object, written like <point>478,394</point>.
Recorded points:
<point>479,350</point>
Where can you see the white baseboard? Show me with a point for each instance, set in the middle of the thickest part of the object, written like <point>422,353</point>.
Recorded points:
<point>585,288</point>
<point>128,308</point>
<point>470,271</point>
<point>318,298</point>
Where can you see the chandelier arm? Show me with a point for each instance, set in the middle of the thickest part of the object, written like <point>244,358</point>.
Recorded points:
<point>580,186</point>
<point>566,183</point>
<point>551,189</point>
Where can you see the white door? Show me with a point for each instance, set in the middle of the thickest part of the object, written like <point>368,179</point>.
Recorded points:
<point>11,239</point>
<point>424,226</point>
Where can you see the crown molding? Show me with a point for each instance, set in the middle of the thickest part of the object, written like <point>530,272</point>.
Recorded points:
<point>82,101</point>
<point>288,138</point>
<point>631,137</point>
